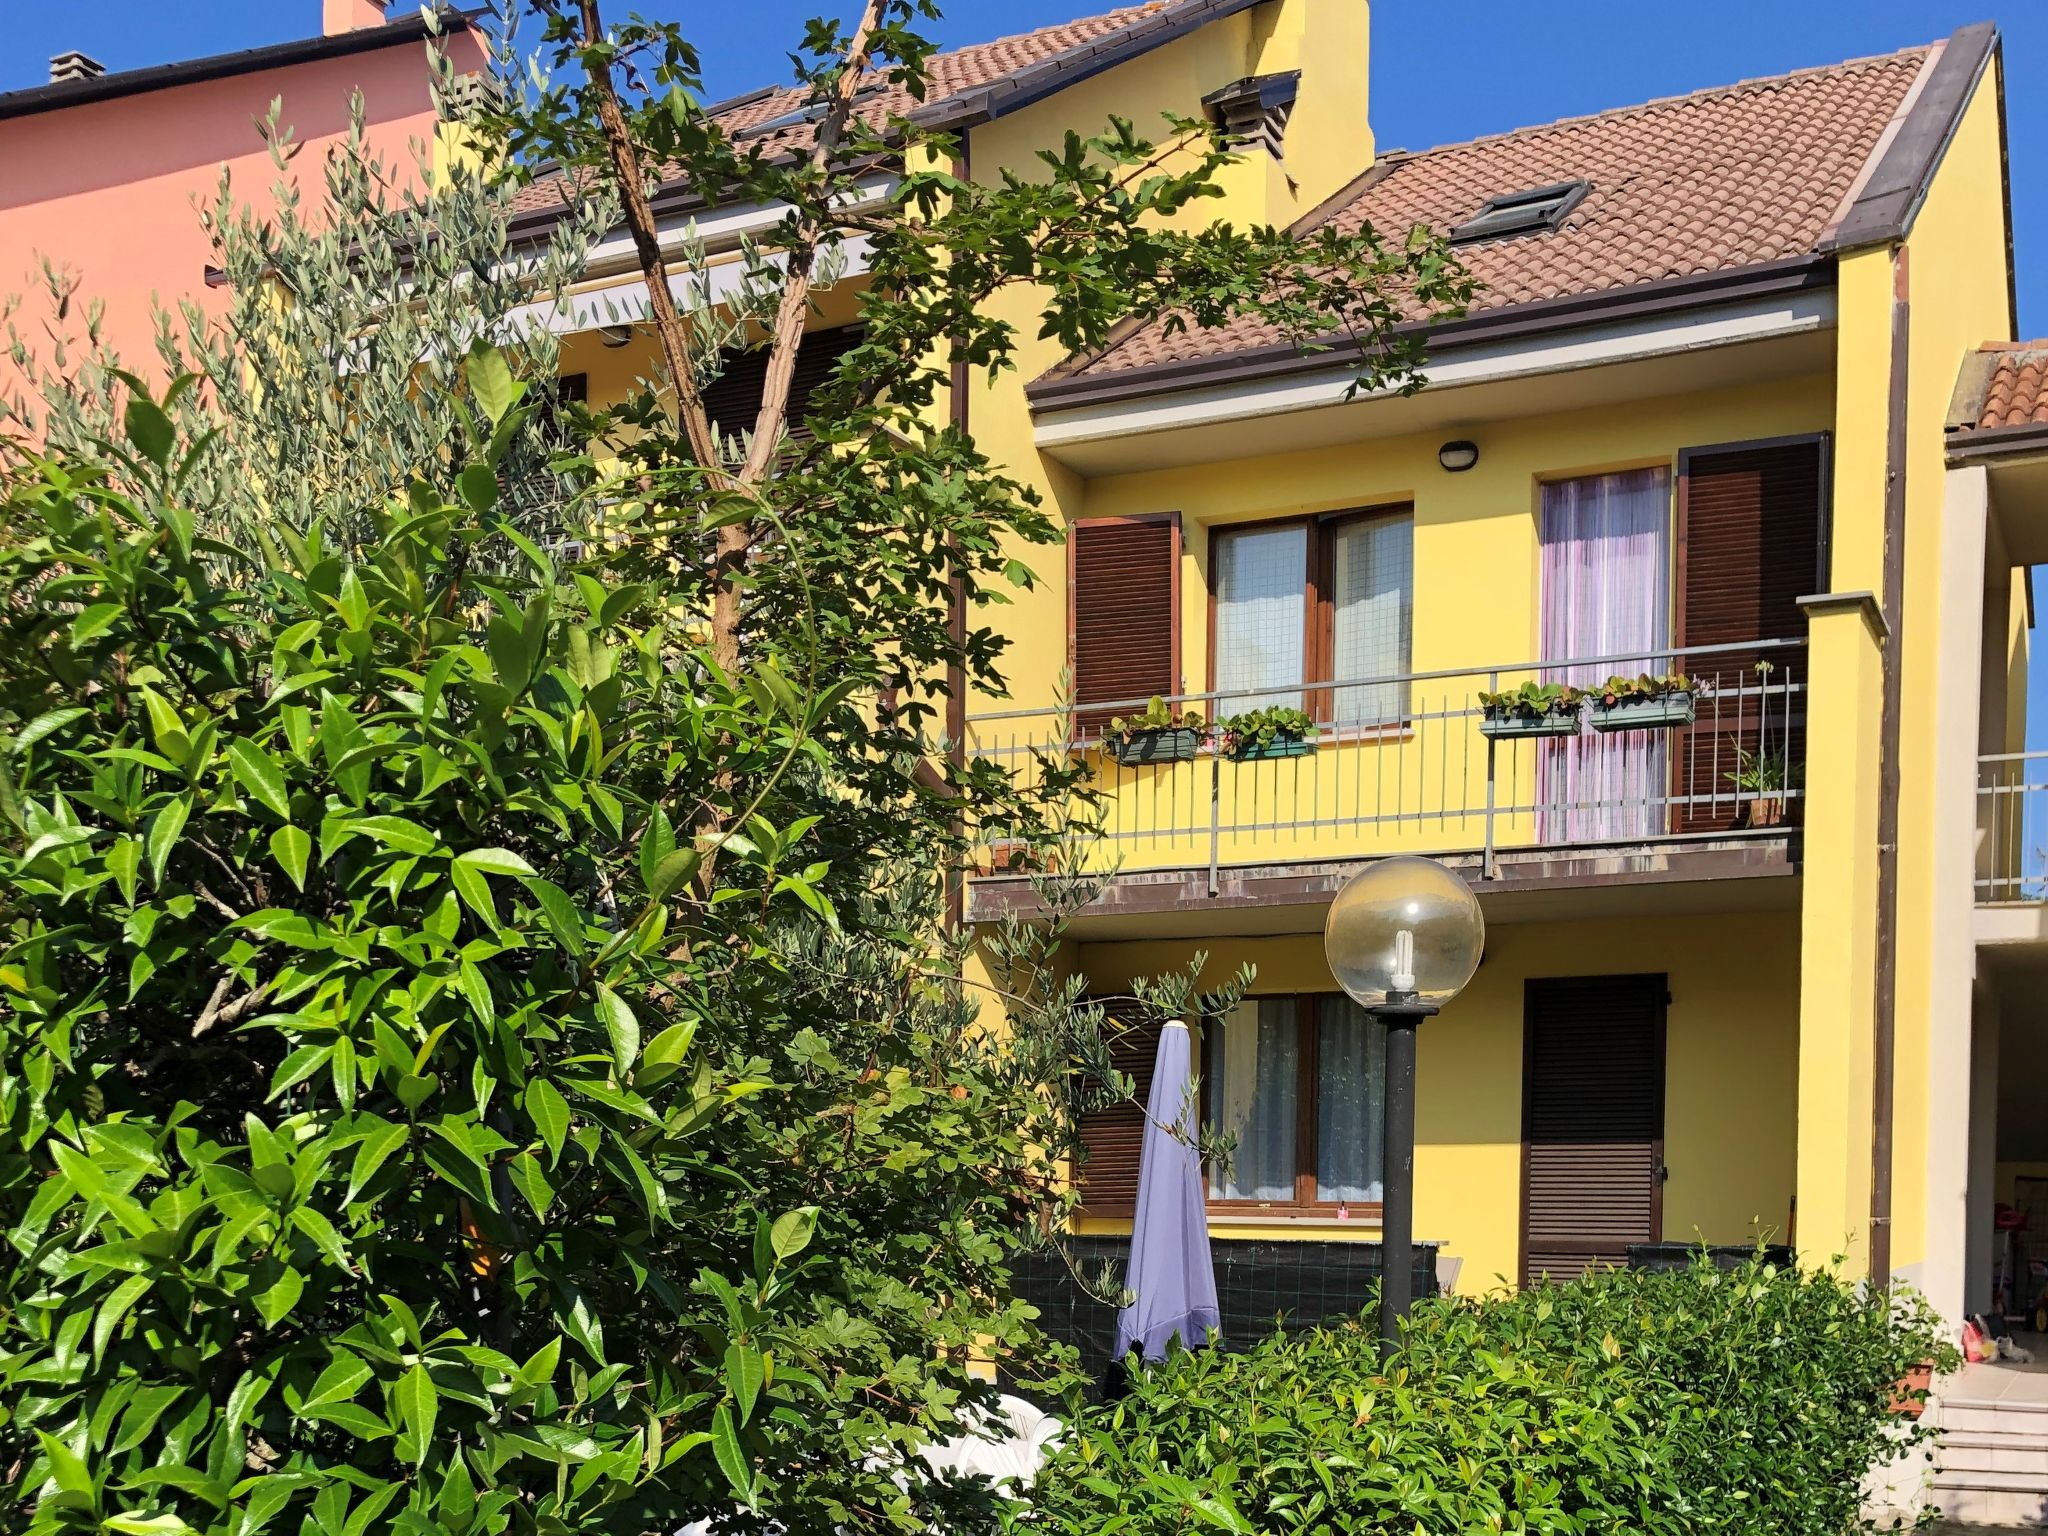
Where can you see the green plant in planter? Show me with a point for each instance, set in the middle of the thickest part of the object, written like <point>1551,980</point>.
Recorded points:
<point>1764,772</point>
<point>1533,700</point>
<point>1642,687</point>
<point>1766,776</point>
<point>1533,709</point>
<point>1644,702</point>
<point>1276,731</point>
<point>1160,735</point>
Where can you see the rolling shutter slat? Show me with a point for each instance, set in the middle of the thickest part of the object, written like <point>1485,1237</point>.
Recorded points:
<point>1107,1178</point>
<point>1752,529</point>
<point>1124,629</point>
<point>1593,1122</point>
<point>733,399</point>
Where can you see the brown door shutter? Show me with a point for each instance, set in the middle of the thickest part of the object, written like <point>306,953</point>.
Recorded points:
<point>1112,1137</point>
<point>1751,520</point>
<point>1123,611</point>
<point>1592,1122</point>
<point>733,399</point>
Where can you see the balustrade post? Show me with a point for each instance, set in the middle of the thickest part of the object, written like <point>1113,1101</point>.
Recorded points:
<point>1489,864</point>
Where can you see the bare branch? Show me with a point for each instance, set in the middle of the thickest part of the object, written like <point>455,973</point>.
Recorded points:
<point>631,174</point>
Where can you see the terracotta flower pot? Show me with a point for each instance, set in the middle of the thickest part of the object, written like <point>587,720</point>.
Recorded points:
<point>1766,811</point>
<point>1909,1393</point>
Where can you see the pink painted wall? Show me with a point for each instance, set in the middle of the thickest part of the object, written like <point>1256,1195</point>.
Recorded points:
<point>111,189</point>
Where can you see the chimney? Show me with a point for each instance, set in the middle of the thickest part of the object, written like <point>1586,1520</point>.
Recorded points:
<point>339,16</point>
<point>73,65</point>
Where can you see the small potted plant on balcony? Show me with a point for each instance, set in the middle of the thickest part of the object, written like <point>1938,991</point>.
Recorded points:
<point>1644,702</point>
<point>1159,735</point>
<point>1533,709</point>
<point>1765,779</point>
<point>1258,734</point>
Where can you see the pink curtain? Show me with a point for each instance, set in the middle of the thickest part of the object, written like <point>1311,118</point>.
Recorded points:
<point>1606,592</point>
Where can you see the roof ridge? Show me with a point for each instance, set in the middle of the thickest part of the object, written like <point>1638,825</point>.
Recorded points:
<point>1135,7</point>
<point>1137,11</point>
<point>1683,98</point>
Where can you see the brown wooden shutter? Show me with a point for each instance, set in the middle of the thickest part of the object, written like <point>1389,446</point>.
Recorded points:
<point>1751,520</point>
<point>1592,1122</point>
<point>1113,1137</point>
<point>1123,611</point>
<point>733,399</point>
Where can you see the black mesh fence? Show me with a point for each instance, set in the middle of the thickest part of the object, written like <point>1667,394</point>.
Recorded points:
<point>1258,1285</point>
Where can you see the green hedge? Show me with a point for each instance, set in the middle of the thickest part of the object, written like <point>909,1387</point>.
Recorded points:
<point>1700,1400</point>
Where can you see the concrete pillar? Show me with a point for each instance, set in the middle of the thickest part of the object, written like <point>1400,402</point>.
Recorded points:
<point>1943,1075</point>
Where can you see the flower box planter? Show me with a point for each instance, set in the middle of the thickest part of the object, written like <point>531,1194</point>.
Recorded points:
<point>1661,713</point>
<point>1252,750</point>
<point>1017,856</point>
<point>1506,724</point>
<point>1170,744</point>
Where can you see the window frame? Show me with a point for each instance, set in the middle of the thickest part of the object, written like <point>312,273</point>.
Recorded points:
<point>1307,1063</point>
<point>1319,627</point>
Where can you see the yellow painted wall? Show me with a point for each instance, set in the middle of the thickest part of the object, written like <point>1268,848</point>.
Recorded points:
<point>1730,1082</point>
<point>1957,275</point>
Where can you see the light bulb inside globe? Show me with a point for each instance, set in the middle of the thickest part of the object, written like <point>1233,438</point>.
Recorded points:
<point>1404,932</point>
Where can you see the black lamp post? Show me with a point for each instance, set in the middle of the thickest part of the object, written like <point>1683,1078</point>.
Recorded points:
<point>1403,937</point>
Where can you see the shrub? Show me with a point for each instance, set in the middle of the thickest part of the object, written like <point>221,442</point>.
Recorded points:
<point>409,1119</point>
<point>1697,1400</point>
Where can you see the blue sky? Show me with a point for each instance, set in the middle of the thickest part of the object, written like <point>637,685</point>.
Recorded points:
<point>1443,70</point>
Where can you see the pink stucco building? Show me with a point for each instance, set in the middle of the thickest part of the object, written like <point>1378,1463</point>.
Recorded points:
<point>103,174</point>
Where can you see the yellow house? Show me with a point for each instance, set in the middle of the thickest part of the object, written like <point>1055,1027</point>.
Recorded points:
<point>1736,401</point>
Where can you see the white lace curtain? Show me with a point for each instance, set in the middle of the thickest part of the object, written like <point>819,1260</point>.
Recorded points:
<point>1606,592</point>
<point>1253,1093</point>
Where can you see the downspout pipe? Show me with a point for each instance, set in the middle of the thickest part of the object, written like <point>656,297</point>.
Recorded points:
<point>1885,992</point>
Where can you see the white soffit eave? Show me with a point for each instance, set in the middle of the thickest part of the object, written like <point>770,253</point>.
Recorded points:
<point>1593,346</point>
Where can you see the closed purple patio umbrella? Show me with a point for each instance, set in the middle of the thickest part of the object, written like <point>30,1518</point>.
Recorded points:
<point>1170,1268</point>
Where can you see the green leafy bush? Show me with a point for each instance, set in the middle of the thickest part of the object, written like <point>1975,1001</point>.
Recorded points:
<point>1699,1400</point>
<point>465,1062</point>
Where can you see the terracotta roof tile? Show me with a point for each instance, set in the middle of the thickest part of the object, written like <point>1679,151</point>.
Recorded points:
<point>948,77</point>
<point>1732,177</point>
<point>2015,387</point>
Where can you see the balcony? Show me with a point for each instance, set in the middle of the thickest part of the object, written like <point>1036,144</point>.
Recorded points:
<point>2012,802</point>
<point>1410,764</point>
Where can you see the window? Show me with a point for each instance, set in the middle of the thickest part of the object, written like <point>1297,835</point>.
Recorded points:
<point>1539,209</point>
<point>1261,604</point>
<point>1324,601</point>
<point>1299,1082</point>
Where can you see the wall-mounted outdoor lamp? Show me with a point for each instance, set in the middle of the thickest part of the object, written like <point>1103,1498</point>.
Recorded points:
<point>615,336</point>
<point>1403,937</point>
<point>1458,456</point>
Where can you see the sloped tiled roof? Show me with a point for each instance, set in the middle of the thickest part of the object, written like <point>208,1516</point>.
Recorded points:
<point>963,81</point>
<point>1717,180</point>
<point>2016,393</point>
<point>2001,396</point>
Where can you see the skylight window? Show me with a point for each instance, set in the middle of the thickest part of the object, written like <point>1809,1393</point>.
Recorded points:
<point>1522,213</point>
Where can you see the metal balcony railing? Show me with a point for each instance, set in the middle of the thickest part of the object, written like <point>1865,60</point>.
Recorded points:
<point>1407,764</point>
<point>2012,811</point>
